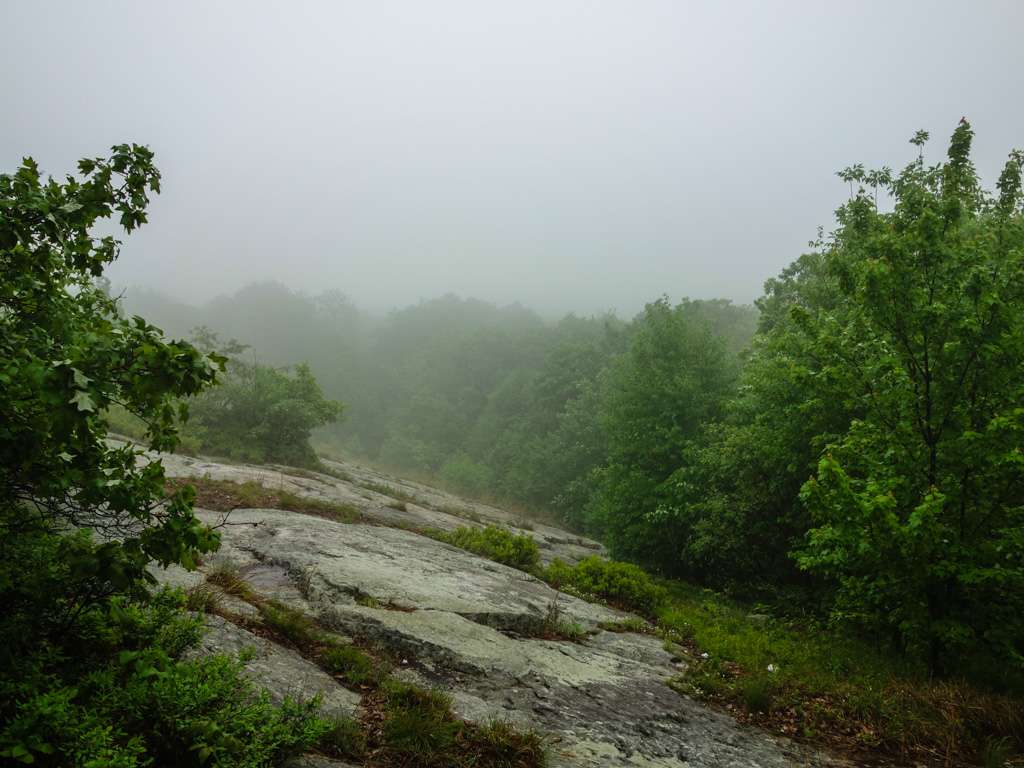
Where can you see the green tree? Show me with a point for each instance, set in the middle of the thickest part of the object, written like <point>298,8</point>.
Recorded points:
<point>918,508</point>
<point>673,378</point>
<point>259,413</point>
<point>66,356</point>
<point>735,497</point>
<point>71,601</point>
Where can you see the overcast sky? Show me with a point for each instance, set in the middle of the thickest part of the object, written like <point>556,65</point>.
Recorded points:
<point>569,155</point>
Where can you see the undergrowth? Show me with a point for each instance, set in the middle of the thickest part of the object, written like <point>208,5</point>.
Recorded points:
<point>498,544</point>
<point>403,724</point>
<point>809,682</point>
<point>802,679</point>
<point>131,700</point>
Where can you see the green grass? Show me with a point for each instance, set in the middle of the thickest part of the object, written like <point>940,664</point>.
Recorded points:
<point>631,624</point>
<point>464,512</point>
<point>226,495</point>
<point>349,663</point>
<point>420,731</point>
<point>498,544</point>
<point>290,624</point>
<point>810,682</point>
<point>345,739</point>
<point>556,627</point>
<point>226,576</point>
<point>338,511</point>
<point>202,598</point>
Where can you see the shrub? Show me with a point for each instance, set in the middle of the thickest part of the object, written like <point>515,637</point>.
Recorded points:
<point>502,546</point>
<point>125,699</point>
<point>622,585</point>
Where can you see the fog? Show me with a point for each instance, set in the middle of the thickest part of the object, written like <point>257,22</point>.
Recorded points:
<point>573,156</point>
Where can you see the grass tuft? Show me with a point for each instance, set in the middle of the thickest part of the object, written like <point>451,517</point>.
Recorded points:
<point>290,624</point>
<point>226,576</point>
<point>202,598</point>
<point>630,624</point>
<point>345,739</point>
<point>350,664</point>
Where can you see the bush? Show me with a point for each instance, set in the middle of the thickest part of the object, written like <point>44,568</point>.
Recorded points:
<point>115,693</point>
<point>498,544</point>
<point>622,585</point>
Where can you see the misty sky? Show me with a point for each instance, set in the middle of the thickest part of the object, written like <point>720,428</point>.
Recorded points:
<point>569,155</point>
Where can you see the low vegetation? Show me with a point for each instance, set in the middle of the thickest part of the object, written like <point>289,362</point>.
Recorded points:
<point>403,724</point>
<point>415,727</point>
<point>621,585</point>
<point>809,682</point>
<point>798,677</point>
<point>394,492</point>
<point>498,544</point>
<point>227,495</point>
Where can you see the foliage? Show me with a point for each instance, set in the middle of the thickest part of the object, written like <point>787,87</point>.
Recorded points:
<point>917,507</point>
<point>498,544</point>
<point>89,663</point>
<point>260,413</point>
<point>622,585</point>
<point>464,475</point>
<point>66,356</point>
<point>671,380</point>
<point>493,400</point>
<point>806,680</point>
<point>113,692</point>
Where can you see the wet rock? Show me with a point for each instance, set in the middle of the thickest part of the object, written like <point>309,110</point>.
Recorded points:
<point>602,702</point>
<point>385,499</point>
<point>467,626</point>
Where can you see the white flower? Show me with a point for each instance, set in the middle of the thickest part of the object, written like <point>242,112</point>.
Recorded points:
<point>772,668</point>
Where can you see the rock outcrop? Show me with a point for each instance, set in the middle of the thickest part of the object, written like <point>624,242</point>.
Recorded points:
<point>466,625</point>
